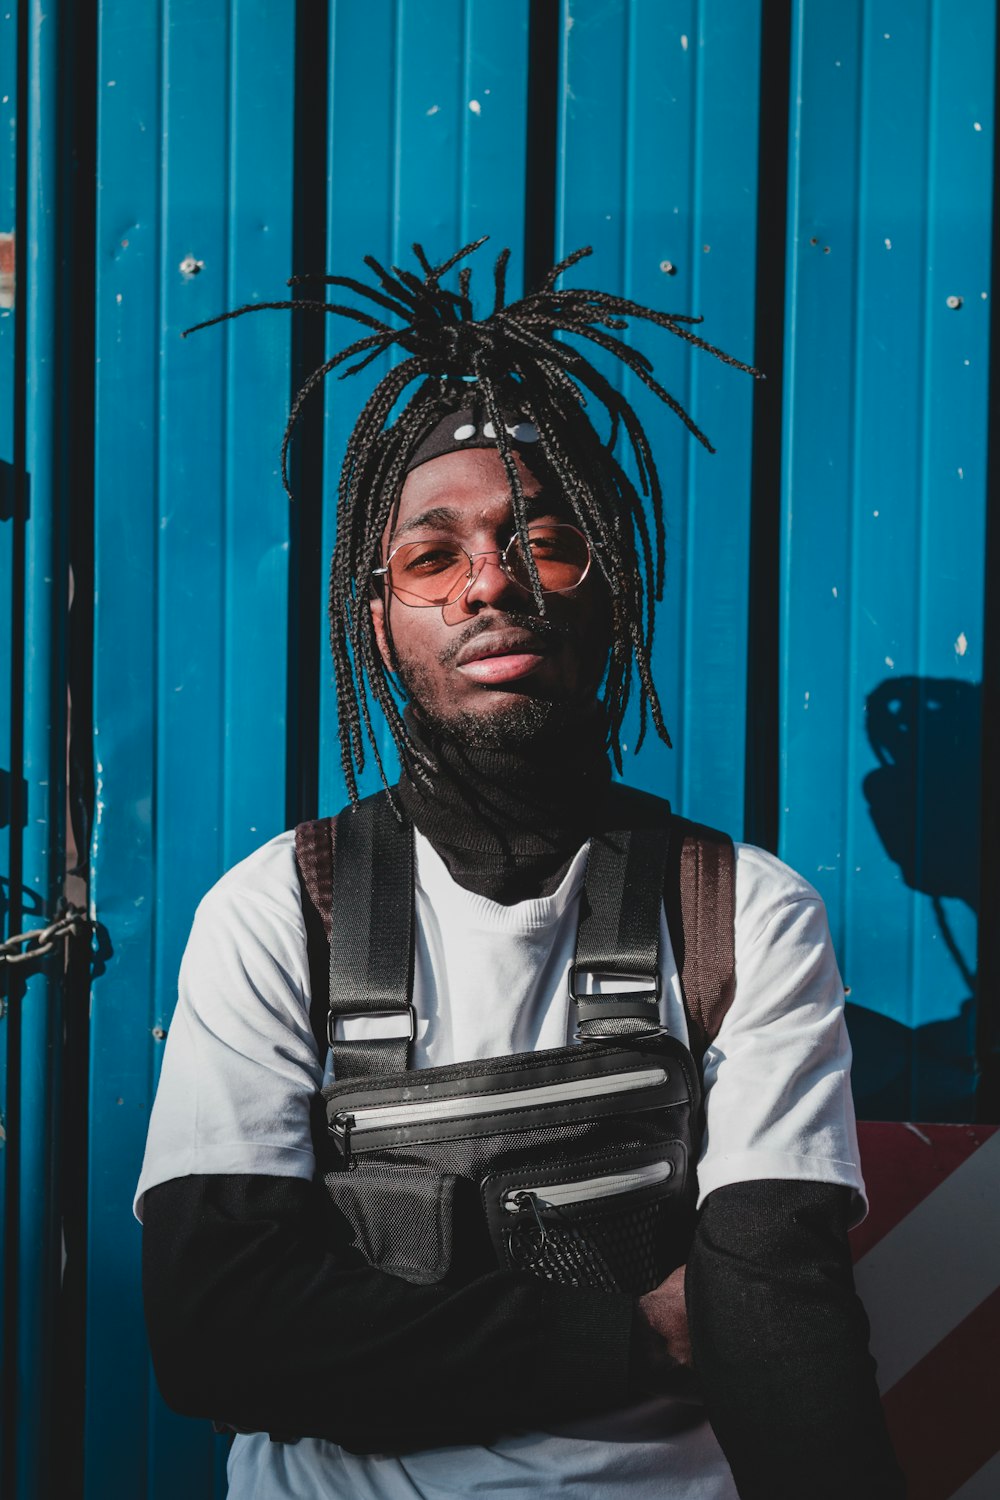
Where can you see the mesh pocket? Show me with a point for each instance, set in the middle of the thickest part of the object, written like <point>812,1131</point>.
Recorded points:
<point>626,1251</point>
<point>401,1217</point>
<point>616,1224</point>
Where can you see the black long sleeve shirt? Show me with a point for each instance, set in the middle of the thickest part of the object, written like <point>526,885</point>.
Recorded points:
<point>262,1316</point>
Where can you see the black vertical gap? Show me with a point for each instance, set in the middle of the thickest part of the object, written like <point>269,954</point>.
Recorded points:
<point>762,734</point>
<point>307,569</point>
<point>988,965</point>
<point>542,128</point>
<point>18,809</point>
<point>78,208</point>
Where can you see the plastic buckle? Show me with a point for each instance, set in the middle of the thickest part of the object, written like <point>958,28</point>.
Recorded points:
<point>373,1015</point>
<point>646,985</point>
<point>650,982</point>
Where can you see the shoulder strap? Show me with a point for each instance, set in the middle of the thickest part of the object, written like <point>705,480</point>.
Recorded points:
<point>698,887</point>
<point>314,846</point>
<point>699,896</point>
<point>619,929</point>
<point>700,901</point>
<point>360,866</point>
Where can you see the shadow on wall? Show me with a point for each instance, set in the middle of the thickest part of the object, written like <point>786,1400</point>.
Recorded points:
<point>923,798</point>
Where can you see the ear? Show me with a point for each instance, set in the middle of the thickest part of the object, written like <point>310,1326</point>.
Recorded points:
<point>381,627</point>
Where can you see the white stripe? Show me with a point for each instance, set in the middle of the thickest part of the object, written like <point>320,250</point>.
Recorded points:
<point>608,1186</point>
<point>465,1106</point>
<point>935,1267</point>
<point>984,1485</point>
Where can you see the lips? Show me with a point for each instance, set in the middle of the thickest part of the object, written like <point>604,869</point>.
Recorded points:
<point>500,656</point>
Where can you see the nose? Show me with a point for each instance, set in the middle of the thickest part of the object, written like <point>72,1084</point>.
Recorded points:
<point>490,584</point>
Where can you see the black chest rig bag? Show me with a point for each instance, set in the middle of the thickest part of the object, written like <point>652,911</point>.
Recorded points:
<point>575,1164</point>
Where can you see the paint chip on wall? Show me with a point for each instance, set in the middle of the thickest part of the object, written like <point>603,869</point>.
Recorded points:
<point>961,645</point>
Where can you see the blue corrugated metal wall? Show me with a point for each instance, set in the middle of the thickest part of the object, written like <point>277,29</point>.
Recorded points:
<point>820,649</point>
<point>194,214</point>
<point>883,520</point>
<point>657,169</point>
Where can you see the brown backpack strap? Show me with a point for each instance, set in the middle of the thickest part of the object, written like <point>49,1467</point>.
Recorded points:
<point>700,900</point>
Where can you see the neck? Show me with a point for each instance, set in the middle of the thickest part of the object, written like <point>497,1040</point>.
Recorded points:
<point>507,820</point>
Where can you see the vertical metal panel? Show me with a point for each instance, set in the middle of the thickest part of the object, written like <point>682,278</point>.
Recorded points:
<point>427,142</point>
<point>658,170</point>
<point>196,171</point>
<point>123,891</point>
<point>8,214</point>
<point>884,491</point>
<point>45,602</point>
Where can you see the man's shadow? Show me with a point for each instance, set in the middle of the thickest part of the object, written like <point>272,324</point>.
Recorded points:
<point>923,798</point>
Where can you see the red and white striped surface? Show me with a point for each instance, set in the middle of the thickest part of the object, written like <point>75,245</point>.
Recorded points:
<point>927,1264</point>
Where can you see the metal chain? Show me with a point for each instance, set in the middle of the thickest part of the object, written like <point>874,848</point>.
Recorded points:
<point>70,922</point>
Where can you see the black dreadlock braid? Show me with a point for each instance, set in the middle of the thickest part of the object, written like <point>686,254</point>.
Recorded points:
<point>516,363</point>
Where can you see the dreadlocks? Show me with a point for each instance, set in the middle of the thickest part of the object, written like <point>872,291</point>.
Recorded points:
<point>514,362</point>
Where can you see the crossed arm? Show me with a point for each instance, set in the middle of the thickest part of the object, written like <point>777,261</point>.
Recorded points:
<point>261,1316</point>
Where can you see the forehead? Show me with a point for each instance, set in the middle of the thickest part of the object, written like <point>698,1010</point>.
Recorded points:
<point>473,483</point>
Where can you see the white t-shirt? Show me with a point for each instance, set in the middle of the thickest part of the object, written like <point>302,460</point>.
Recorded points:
<point>240,1068</point>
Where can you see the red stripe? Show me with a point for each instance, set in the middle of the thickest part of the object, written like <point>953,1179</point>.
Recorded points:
<point>943,1416</point>
<point>902,1164</point>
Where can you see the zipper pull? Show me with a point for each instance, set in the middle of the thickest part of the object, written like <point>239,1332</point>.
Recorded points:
<point>516,1203</point>
<point>342,1125</point>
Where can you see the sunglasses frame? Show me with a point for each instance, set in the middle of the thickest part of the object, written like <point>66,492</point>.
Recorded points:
<point>382,574</point>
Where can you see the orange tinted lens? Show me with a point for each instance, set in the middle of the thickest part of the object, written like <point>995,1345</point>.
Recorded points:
<point>561,556</point>
<point>430,572</point>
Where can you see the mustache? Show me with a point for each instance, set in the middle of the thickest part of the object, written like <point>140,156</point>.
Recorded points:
<point>546,630</point>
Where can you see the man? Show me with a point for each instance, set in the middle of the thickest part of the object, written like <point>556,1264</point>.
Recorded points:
<point>492,566</point>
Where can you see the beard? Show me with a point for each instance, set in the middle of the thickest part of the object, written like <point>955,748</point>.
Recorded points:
<point>518,721</point>
<point>514,724</point>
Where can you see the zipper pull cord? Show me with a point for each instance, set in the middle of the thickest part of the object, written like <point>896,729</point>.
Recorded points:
<point>523,1200</point>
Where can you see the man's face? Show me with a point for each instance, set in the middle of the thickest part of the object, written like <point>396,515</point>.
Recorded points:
<point>488,667</point>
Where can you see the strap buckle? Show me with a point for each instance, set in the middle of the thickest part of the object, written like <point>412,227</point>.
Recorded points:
<point>640,1002</point>
<point>408,1012</point>
<point>650,984</point>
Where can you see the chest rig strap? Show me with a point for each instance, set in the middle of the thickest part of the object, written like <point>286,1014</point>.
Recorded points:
<point>357,876</point>
<point>618,938</point>
<point>371,947</point>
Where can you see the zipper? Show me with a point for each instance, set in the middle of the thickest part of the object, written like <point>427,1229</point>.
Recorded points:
<point>559,1195</point>
<point>468,1106</point>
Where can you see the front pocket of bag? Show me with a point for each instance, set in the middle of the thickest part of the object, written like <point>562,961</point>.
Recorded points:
<point>401,1217</point>
<point>597,1224</point>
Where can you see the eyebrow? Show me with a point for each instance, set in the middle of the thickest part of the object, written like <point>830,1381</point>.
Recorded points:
<point>449,517</point>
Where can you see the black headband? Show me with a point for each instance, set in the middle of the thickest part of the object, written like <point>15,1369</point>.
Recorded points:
<point>470,428</point>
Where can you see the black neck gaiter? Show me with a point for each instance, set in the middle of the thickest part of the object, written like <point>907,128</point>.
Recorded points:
<point>507,822</point>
